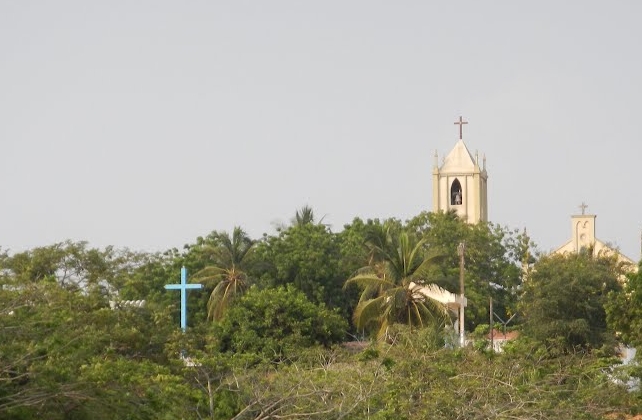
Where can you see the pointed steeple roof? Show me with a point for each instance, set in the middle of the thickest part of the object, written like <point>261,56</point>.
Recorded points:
<point>459,159</point>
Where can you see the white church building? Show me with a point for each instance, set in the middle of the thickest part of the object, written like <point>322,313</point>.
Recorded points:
<point>460,183</point>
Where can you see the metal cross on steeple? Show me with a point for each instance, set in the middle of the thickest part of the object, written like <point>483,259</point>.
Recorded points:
<point>461,123</point>
<point>583,207</point>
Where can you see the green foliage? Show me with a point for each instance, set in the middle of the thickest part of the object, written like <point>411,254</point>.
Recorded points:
<point>352,244</point>
<point>64,354</point>
<point>148,277</point>
<point>369,353</point>
<point>493,259</point>
<point>122,384</point>
<point>56,342</point>
<point>72,265</point>
<point>306,256</point>
<point>304,216</point>
<point>276,324</point>
<point>563,301</point>
<point>228,257</point>
<point>624,309</point>
<point>399,267</point>
<point>430,338</point>
<point>481,330</point>
<point>405,381</point>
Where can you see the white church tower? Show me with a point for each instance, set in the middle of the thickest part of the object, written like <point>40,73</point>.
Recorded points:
<point>460,184</point>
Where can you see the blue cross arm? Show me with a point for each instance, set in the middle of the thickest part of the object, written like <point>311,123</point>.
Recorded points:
<point>183,286</point>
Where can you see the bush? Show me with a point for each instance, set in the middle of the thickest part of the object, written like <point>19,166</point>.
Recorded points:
<point>276,323</point>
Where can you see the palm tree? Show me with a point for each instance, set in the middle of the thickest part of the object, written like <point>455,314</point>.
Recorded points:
<point>305,216</point>
<point>302,217</point>
<point>394,283</point>
<point>229,257</point>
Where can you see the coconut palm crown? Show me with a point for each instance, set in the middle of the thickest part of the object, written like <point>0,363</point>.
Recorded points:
<point>226,272</point>
<point>398,269</point>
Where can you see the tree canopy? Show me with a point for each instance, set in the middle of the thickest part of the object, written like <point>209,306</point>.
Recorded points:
<point>88,333</point>
<point>275,323</point>
<point>624,309</point>
<point>564,297</point>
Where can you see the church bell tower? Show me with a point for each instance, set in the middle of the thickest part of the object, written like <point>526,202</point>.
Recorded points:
<point>460,184</point>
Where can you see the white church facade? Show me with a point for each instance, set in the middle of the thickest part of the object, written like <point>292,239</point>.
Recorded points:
<point>583,237</point>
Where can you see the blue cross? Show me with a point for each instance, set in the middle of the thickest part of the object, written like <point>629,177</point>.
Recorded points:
<point>183,287</point>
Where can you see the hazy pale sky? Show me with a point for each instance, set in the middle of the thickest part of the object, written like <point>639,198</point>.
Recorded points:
<point>148,123</point>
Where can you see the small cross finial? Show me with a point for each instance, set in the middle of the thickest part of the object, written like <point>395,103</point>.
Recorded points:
<point>583,207</point>
<point>461,123</point>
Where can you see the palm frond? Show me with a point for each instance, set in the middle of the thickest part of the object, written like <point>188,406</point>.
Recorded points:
<point>369,292</point>
<point>368,312</point>
<point>304,216</point>
<point>217,304</point>
<point>223,295</point>
<point>369,280</point>
<point>241,245</point>
<point>210,271</point>
<point>417,251</point>
<point>414,310</point>
<point>383,329</point>
<point>429,262</point>
<point>426,294</point>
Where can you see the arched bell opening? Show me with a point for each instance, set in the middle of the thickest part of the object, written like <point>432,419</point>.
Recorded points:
<point>456,194</point>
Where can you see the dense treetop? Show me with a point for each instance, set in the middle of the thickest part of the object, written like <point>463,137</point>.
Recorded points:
<point>312,323</point>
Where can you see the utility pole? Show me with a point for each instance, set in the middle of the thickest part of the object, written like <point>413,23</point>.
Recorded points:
<point>460,250</point>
